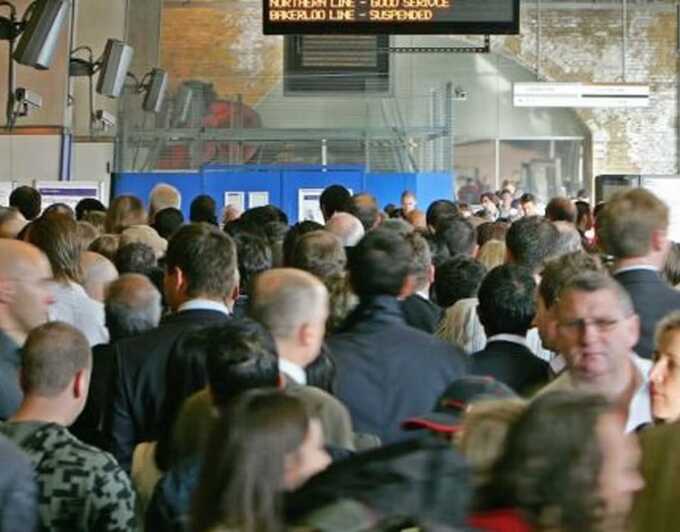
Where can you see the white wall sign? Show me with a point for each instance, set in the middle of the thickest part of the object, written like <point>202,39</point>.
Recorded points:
<point>308,205</point>
<point>68,192</point>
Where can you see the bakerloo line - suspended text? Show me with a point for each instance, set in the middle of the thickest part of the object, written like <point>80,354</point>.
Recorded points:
<point>379,15</point>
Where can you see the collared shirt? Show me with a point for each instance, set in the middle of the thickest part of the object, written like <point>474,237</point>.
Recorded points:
<point>647,267</point>
<point>557,365</point>
<point>204,304</point>
<point>640,407</point>
<point>424,294</point>
<point>293,371</point>
<point>513,338</point>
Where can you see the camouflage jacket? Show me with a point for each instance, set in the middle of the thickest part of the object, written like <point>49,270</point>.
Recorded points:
<point>80,488</point>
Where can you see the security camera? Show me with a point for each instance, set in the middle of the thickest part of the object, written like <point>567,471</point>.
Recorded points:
<point>107,120</point>
<point>459,93</point>
<point>28,99</point>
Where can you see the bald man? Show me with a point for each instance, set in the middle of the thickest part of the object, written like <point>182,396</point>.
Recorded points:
<point>98,273</point>
<point>346,227</point>
<point>293,305</point>
<point>25,277</point>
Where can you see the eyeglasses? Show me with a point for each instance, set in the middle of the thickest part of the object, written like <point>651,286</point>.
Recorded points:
<point>601,324</point>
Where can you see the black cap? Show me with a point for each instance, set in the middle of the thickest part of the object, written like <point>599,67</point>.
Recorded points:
<point>452,404</point>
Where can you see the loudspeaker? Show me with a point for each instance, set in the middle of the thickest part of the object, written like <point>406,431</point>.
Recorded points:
<point>183,100</point>
<point>153,101</point>
<point>115,65</point>
<point>39,39</point>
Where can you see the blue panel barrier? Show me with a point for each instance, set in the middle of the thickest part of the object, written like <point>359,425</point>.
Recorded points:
<point>282,183</point>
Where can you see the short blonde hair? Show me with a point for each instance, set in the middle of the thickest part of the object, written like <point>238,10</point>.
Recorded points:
<point>627,222</point>
<point>492,254</point>
<point>482,438</point>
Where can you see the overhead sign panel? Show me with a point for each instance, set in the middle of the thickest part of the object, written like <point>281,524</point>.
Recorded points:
<point>580,95</point>
<point>390,17</point>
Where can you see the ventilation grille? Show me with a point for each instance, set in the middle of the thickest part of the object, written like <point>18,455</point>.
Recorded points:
<point>336,64</point>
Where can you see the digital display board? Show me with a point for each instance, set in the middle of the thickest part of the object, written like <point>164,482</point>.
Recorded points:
<point>413,17</point>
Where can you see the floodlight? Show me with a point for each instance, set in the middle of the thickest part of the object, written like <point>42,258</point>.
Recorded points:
<point>155,91</point>
<point>115,63</point>
<point>38,41</point>
<point>183,100</point>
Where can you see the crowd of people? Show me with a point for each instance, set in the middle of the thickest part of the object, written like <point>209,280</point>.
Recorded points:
<point>494,369</point>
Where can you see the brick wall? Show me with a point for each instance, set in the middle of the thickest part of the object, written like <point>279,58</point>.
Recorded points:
<point>577,44</point>
<point>586,45</point>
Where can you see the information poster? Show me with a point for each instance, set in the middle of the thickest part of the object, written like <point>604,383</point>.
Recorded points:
<point>235,200</point>
<point>666,188</point>
<point>308,205</point>
<point>67,192</point>
<point>258,199</point>
<point>6,188</point>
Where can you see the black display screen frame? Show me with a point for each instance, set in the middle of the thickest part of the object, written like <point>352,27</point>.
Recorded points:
<point>436,27</point>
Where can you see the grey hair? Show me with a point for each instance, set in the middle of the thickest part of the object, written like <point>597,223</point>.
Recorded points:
<point>592,281</point>
<point>133,305</point>
<point>569,240</point>
<point>346,227</point>
<point>286,298</point>
<point>162,196</point>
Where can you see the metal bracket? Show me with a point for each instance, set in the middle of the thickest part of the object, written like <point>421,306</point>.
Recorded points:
<point>484,49</point>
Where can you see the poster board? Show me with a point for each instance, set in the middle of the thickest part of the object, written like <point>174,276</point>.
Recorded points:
<point>667,189</point>
<point>6,188</point>
<point>68,192</point>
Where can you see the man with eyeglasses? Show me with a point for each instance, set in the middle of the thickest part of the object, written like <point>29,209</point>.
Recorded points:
<point>597,329</point>
<point>25,295</point>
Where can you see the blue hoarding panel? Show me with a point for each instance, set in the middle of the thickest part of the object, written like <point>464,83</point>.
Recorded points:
<point>190,185</point>
<point>283,183</point>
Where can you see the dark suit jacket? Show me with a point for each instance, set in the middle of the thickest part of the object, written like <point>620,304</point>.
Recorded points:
<point>139,386</point>
<point>512,364</point>
<point>88,426</point>
<point>388,371</point>
<point>421,313</point>
<point>652,298</point>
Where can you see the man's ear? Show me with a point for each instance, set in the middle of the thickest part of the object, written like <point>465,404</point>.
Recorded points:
<point>305,334</point>
<point>6,292</point>
<point>409,287</point>
<point>659,240</point>
<point>176,279</point>
<point>430,273</point>
<point>81,383</point>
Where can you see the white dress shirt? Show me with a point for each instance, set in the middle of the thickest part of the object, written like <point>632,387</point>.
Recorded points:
<point>204,304</point>
<point>640,407</point>
<point>292,371</point>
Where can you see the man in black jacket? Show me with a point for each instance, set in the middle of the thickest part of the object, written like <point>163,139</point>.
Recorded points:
<point>201,283</point>
<point>506,310</point>
<point>419,311</point>
<point>633,227</point>
<point>386,370</point>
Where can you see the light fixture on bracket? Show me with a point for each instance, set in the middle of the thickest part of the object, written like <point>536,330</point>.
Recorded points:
<point>154,86</point>
<point>37,33</point>
<point>112,67</point>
